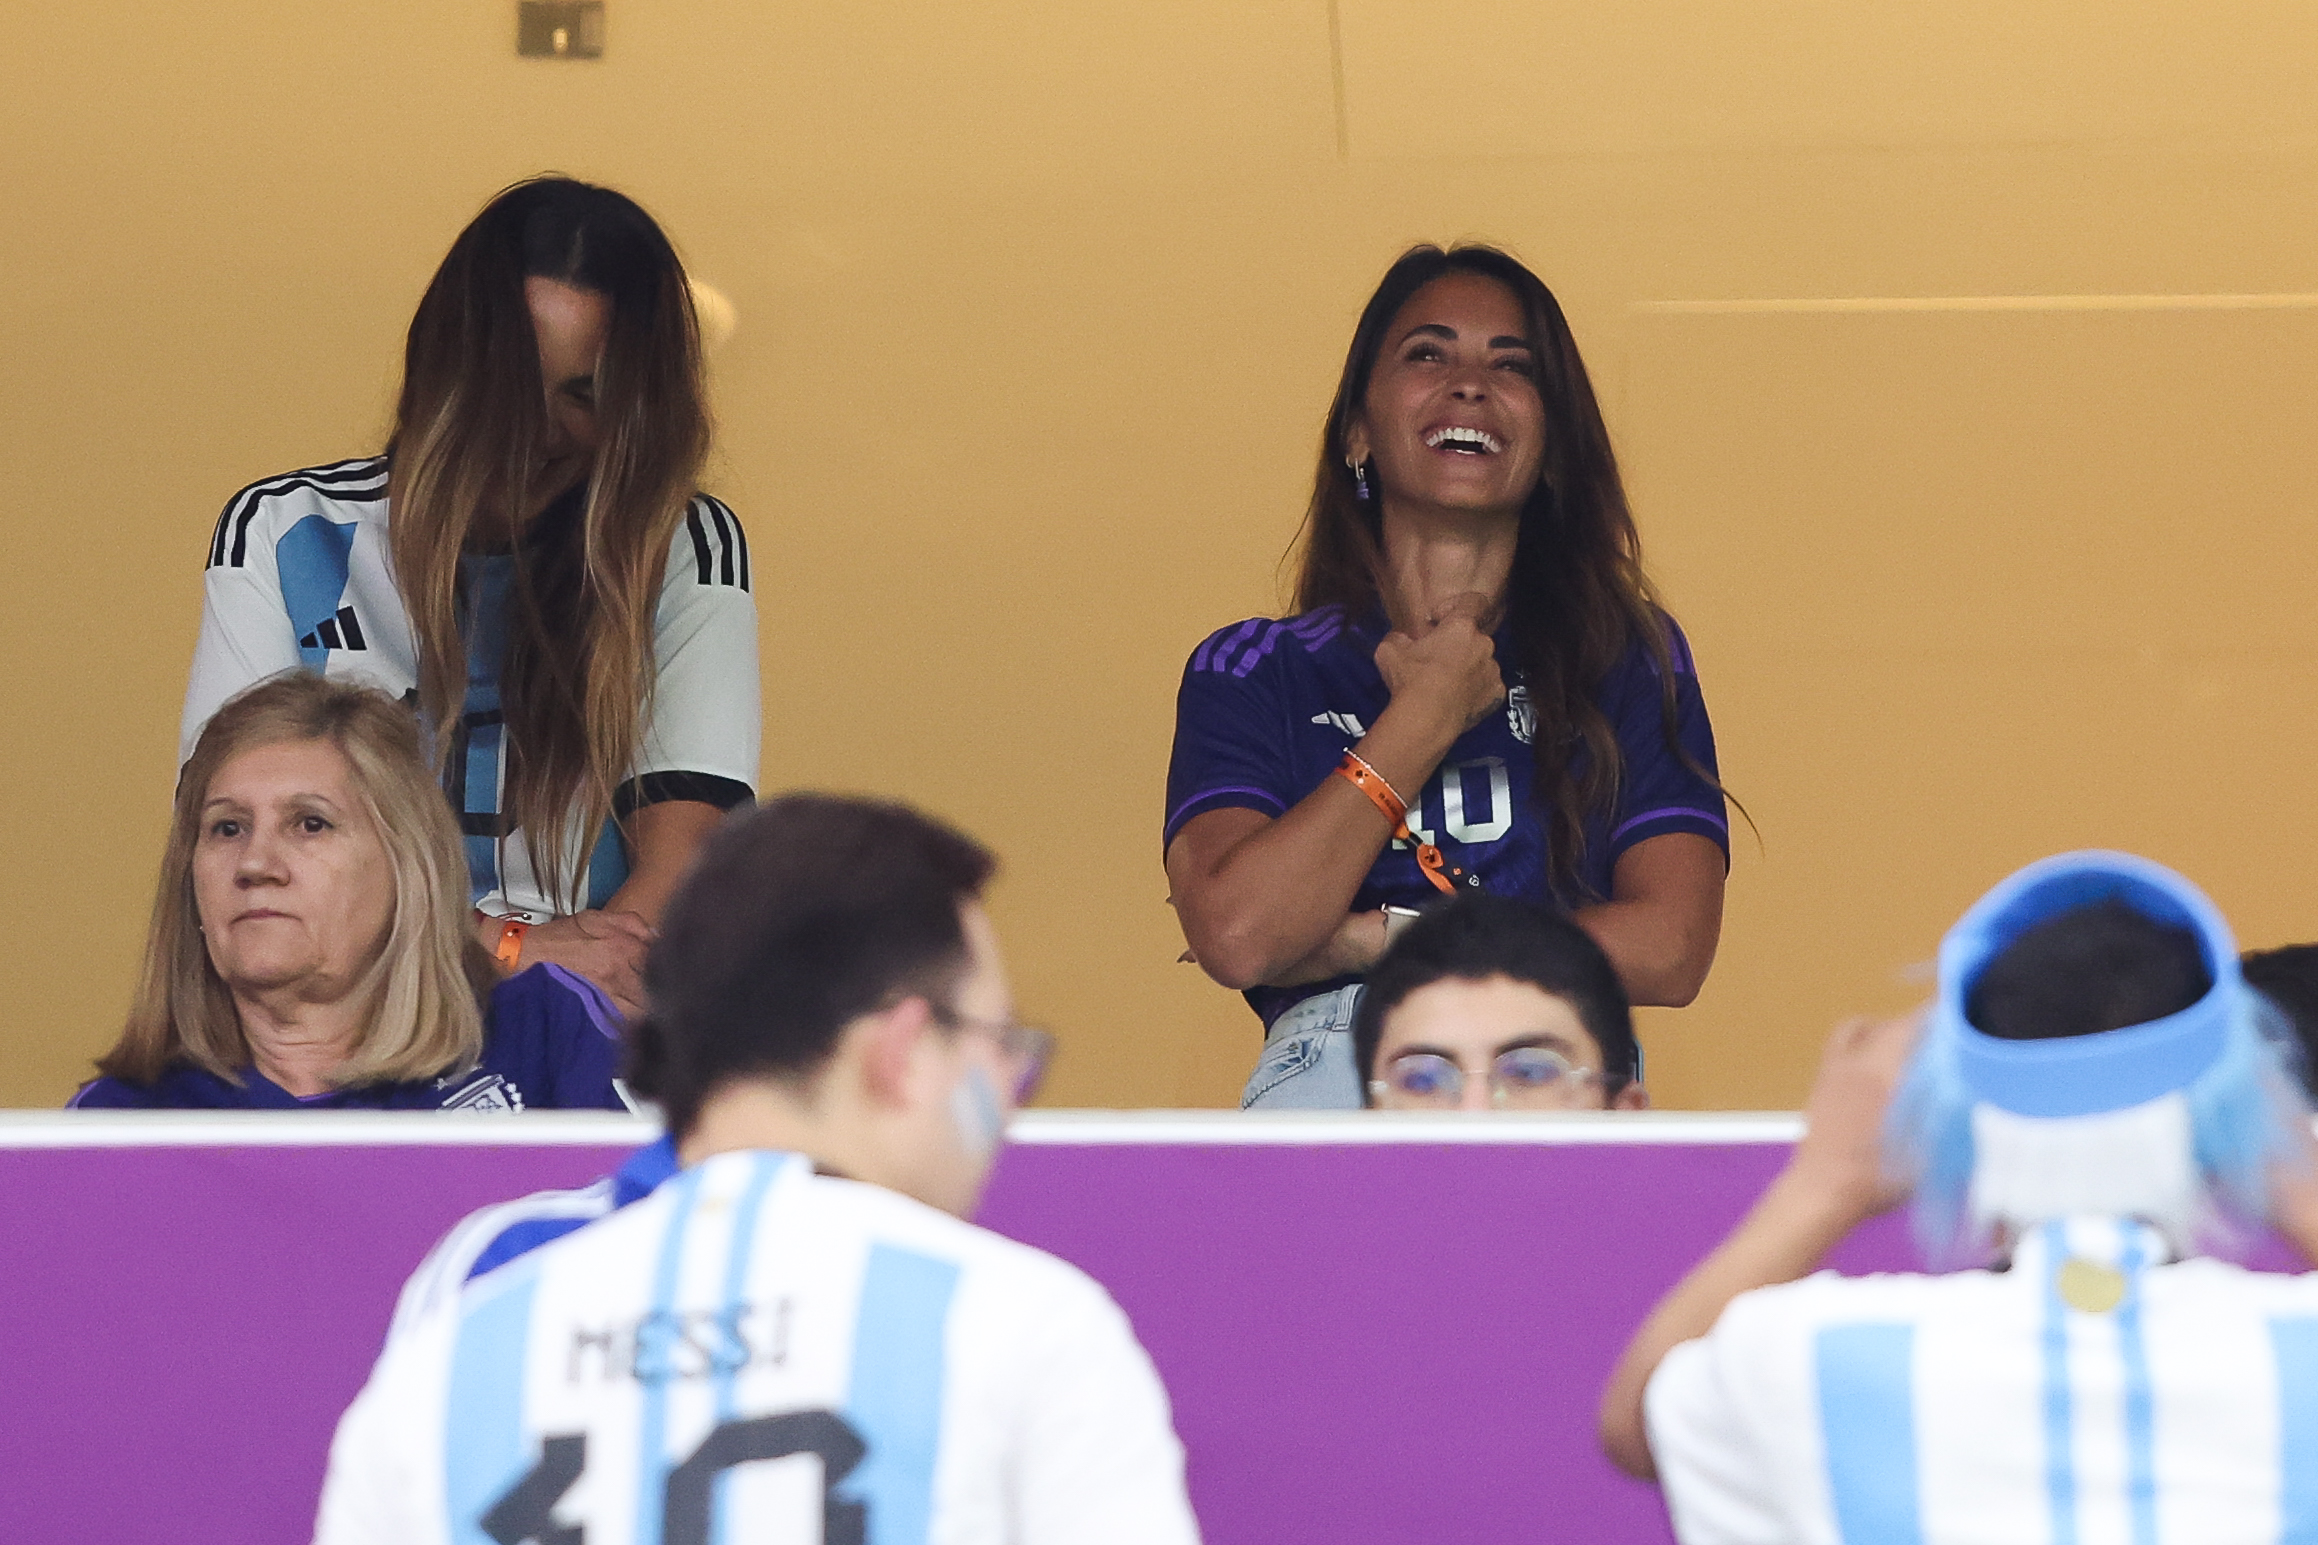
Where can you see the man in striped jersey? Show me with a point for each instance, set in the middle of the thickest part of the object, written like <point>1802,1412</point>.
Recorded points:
<point>795,1337</point>
<point>2093,1090</point>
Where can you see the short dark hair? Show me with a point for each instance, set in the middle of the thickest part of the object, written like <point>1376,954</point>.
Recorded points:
<point>1475,936</point>
<point>2288,977</point>
<point>2100,966</point>
<point>797,918</point>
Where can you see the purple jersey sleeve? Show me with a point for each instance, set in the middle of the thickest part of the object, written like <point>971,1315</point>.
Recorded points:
<point>1660,792</point>
<point>1231,742</point>
<point>556,1037</point>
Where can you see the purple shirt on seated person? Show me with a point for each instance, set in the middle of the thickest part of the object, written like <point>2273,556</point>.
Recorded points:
<point>1269,707</point>
<point>551,1041</point>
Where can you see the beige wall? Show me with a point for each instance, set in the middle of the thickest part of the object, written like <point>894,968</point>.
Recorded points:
<point>1040,307</point>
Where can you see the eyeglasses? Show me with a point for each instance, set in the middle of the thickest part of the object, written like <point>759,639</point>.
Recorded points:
<point>1026,1048</point>
<point>1521,1077</point>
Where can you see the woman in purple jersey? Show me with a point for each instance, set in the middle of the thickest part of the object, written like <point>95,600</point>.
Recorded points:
<point>309,945</point>
<point>1478,690</point>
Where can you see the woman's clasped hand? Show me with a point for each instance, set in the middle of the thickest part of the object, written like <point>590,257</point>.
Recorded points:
<point>1446,664</point>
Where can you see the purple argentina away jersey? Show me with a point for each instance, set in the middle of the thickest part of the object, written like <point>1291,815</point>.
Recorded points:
<point>1268,709</point>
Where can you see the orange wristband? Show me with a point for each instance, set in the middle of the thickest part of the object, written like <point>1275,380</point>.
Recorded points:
<point>509,950</point>
<point>1356,771</point>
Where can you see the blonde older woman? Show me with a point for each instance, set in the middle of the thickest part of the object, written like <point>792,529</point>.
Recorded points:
<point>310,944</point>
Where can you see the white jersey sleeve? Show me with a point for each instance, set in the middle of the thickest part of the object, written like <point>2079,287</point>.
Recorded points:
<point>297,575</point>
<point>707,712</point>
<point>384,1485</point>
<point>1713,1479</point>
<point>245,635</point>
<point>1098,1456</point>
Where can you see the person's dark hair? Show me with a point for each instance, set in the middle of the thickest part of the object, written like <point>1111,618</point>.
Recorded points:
<point>1474,936</point>
<point>797,918</point>
<point>1577,599</point>
<point>468,429</point>
<point>2288,977</point>
<point>2100,966</point>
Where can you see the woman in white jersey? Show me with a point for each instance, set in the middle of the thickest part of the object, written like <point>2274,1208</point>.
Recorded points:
<point>530,566</point>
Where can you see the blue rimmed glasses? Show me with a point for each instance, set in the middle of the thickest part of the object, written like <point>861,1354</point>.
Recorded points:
<point>1520,1078</point>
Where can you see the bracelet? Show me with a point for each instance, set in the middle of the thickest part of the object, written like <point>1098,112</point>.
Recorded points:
<point>509,950</point>
<point>1356,771</point>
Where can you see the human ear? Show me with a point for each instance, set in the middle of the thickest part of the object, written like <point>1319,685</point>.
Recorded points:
<point>891,1047</point>
<point>1632,1097</point>
<point>1356,445</point>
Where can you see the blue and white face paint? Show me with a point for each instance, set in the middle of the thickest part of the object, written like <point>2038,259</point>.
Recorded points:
<point>977,1114</point>
<point>2174,1121</point>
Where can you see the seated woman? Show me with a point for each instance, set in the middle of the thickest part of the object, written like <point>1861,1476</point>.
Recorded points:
<point>530,563</point>
<point>1467,534</point>
<point>310,946</point>
<point>1486,1003</point>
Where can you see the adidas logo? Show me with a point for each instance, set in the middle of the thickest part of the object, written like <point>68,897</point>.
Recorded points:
<point>1349,723</point>
<point>340,632</point>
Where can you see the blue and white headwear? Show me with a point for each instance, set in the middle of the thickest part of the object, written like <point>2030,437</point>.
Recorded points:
<point>2174,1121</point>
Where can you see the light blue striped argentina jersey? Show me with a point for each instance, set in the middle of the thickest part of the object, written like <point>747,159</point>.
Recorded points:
<point>2096,1393</point>
<point>757,1352</point>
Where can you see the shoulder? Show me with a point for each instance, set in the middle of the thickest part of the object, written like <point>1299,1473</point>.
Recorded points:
<point>2205,1281</point>
<point>1241,649</point>
<point>545,998</point>
<point>1639,662</point>
<point>178,1088</point>
<point>556,1038</point>
<point>490,1237</point>
<point>115,1094</point>
<point>709,549</point>
<point>1779,1327</point>
<point>253,518</point>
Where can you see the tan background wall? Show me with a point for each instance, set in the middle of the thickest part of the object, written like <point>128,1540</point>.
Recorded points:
<point>1040,307</point>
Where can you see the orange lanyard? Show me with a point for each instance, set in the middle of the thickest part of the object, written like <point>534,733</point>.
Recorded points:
<point>1396,810</point>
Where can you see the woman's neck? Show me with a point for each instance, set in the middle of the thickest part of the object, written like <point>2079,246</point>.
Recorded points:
<point>298,1044</point>
<point>1430,558</point>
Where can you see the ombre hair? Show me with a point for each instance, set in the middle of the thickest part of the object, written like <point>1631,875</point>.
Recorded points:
<point>2194,1164</point>
<point>577,681</point>
<point>1577,599</point>
<point>2093,1049</point>
<point>425,1018</point>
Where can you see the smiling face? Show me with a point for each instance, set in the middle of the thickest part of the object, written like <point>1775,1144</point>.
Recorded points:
<point>1472,1024</point>
<point>571,325</point>
<point>1452,419</point>
<point>292,881</point>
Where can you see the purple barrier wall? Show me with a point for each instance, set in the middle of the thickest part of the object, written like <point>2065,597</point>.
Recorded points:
<point>1364,1342</point>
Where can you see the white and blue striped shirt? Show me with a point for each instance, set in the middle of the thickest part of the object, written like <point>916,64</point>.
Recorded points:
<point>756,1352</point>
<point>2093,1394</point>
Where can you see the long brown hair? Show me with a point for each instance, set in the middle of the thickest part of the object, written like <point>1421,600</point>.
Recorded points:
<point>1577,600</point>
<point>425,1018</point>
<point>576,684</point>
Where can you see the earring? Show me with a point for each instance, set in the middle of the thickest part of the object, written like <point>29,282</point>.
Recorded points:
<point>1359,479</point>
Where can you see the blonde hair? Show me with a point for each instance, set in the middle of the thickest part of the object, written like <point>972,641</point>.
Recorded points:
<point>425,1019</point>
<point>575,687</point>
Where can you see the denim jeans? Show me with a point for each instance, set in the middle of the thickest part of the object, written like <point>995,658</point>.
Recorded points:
<point>1307,1062</point>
